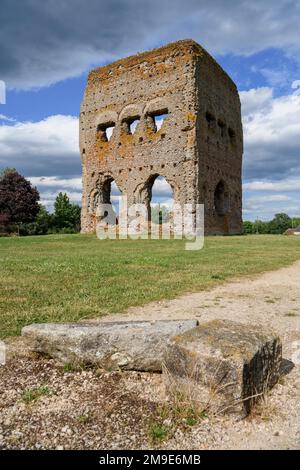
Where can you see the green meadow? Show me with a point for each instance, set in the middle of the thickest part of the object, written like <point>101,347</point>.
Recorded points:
<point>59,278</point>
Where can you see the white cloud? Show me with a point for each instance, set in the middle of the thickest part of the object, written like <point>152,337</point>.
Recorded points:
<point>287,185</point>
<point>272,153</point>
<point>264,200</point>
<point>50,186</point>
<point>48,147</point>
<point>161,190</point>
<point>295,84</point>
<point>271,134</point>
<point>44,148</point>
<point>296,87</point>
<point>56,182</point>
<point>3,117</point>
<point>2,92</point>
<point>255,101</point>
<point>41,137</point>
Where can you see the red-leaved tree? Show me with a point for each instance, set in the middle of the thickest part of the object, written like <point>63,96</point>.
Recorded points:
<point>18,198</point>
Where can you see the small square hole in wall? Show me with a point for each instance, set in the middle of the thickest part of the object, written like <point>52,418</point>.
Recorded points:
<point>159,119</point>
<point>231,134</point>
<point>133,125</point>
<point>222,127</point>
<point>105,131</point>
<point>129,125</point>
<point>210,119</point>
<point>109,132</point>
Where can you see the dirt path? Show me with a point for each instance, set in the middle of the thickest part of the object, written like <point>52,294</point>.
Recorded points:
<point>271,299</point>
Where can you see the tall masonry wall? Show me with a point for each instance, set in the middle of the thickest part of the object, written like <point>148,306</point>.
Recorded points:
<point>198,149</point>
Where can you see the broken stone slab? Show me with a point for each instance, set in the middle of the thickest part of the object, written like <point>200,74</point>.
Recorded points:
<point>133,345</point>
<point>223,365</point>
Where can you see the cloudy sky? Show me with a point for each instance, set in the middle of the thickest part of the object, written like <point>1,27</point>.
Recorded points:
<point>47,48</point>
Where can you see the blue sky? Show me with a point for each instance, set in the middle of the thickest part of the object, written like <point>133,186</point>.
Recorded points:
<point>48,48</point>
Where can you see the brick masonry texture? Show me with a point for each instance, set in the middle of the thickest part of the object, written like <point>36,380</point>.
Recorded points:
<point>198,149</point>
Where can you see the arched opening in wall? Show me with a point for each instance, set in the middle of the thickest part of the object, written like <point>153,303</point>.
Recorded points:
<point>110,195</point>
<point>161,200</point>
<point>231,134</point>
<point>222,128</point>
<point>211,120</point>
<point>115,198</point>
<point>221,198</point>
<point>205,196</point>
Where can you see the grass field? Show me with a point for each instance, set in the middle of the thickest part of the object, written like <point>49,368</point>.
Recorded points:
<point>71,277</point>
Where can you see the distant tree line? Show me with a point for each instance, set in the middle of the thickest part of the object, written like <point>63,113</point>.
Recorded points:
<point>278,225</point>
<point>22,214</point>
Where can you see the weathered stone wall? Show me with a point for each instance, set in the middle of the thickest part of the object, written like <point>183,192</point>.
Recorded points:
<point>182,80</point>
<point>220,147</point>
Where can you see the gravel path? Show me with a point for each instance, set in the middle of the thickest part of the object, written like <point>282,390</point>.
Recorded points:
<point>43,405</point>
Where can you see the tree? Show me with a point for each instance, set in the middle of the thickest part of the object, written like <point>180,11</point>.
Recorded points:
<point>160,214</point>
<point>7,171</point>
<point>261,227</point>
<point>18,198</point>
<point>43,221</point>
<point>42,225</point>
<point>247,226</point>
<point>66,214</point>
<point>280,223</point>
<point>295,222</point>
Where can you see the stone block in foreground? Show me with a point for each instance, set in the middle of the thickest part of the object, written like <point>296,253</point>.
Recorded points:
<point>137,345</point>
<point>223,364</point>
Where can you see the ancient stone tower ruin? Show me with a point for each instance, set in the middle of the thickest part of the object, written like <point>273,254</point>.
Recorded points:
<point>198,148</point>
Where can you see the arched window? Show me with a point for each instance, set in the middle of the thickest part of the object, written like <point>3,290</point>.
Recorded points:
<point>161,200</point>
<point>110,194</point>
<point>221,199</point>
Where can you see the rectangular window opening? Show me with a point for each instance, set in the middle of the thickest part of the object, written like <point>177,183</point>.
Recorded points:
<point>158,118</point>
<point>222,127</point>
<point>105,131</point>
<point>130,124</point>
<point>133,123</point>
<point>231,134</point>
<point>211,120</point>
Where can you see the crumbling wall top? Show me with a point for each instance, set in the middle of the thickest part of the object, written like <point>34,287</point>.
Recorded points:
<point>184,50</point>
